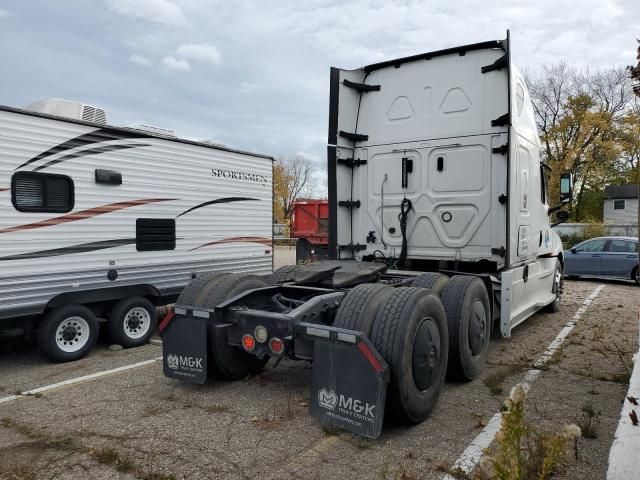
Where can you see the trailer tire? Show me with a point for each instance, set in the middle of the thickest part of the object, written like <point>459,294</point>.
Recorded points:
<point>67,333</point>
<point>410,332</point>
<point>433,281</point>
<point>359,307</point>
<point>132,321</point>
<point>282,274</point>
<point>226,361</point>
<point>466,303</point>
<point>189,293</point>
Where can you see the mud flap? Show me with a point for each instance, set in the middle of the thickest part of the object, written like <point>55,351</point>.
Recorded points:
<point>184,349</point>
<point>349,386</point>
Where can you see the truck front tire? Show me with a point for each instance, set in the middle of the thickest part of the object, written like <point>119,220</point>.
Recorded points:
<point>410,332</point>
<point>67,333</point>
<point>466,303</point>
<point>132,322</point>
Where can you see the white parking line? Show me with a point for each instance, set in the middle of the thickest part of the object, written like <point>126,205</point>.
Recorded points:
<point>473,453</point>
<point>74,381</point>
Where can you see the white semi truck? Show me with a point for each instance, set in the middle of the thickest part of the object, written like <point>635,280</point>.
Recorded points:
<point>439,233</point>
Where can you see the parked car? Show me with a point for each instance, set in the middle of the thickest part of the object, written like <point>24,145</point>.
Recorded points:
<point>604,257</point>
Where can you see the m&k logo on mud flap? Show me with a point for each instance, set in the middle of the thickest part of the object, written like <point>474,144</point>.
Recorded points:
<point>172,361</point>
<point>327,399</point>
<point>349,406</point>
<point>190,363</point>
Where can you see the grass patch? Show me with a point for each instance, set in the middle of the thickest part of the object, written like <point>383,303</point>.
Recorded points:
<point>495,381</point>
<point>523,452</point>
<point>588,420</point>
<point>105,455</point>
<point>19,472</point>
<point>217,408</point>
<point>39,437</point>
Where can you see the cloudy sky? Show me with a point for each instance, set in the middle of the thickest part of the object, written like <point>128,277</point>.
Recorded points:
<point>255,74</point>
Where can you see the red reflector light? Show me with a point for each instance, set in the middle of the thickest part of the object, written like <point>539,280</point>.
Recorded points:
<point>371,358</point>
<point>276,345</point>
<point>248,342</point>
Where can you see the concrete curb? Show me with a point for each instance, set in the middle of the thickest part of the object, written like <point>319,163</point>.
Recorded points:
<point>624,461</point>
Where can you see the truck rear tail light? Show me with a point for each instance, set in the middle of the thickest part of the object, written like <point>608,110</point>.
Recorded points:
<point>261,333</point>
<point>248,342</point>
<point>276,346</point>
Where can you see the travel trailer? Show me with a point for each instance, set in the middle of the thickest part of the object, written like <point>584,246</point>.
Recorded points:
<point>108,222</point>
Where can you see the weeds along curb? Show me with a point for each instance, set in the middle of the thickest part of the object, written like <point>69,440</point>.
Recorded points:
<point>624,461</point>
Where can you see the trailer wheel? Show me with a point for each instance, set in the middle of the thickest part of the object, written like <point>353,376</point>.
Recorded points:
<point>359,307</point>
<point>229,362</point>
<point>433,281</point>
<point>466,303</point>
<point>68,333</point>
<point>132,321</point>
<point>190,292</point>
<point>282,274</point>
<point>410,332</point>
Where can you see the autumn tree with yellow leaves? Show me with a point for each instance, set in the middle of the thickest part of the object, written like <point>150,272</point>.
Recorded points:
<point>588,123</point>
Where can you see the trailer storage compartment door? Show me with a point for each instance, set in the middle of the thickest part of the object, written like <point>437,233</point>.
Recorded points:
<point>433,129</point>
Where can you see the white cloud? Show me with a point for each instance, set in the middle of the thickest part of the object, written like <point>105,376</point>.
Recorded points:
<point>3,13</point>
<point>247,87</point>
<point>140,60</point>
<point>159,11</point>
<point>203,52</point>
<point>176,63</point>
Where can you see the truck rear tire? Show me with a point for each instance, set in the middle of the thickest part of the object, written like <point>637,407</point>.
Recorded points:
<point>466,303</point>
<point>132,321</point>
<point>410,332</point>
<point>189,293</point>
<point>433,281</point>
<point>68,333</point>
<point>359,307</point>
<point>282,274</point>
<point>227,361</point>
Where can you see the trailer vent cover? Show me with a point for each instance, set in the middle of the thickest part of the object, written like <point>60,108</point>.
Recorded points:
<point>155,234</point>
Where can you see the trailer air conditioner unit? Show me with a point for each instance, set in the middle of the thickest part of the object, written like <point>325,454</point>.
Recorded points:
<point>69,109</point>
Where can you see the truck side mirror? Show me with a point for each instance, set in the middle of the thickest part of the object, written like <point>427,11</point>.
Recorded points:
<point>561,217</point>
<point>565,188</point>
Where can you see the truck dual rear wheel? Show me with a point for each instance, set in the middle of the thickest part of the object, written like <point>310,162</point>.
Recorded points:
<point>410,332</point>
<point>282,274</point>
<point>359,307</point>
<point>67,333</point>
<point>227,361</point>
<point>466,303</point>
<point>433,281</point>
<point>132,321</point>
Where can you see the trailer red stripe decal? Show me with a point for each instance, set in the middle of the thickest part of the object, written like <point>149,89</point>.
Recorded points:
<point>84,214</point>
<point>4,189</point>
<point>371,358</point>
<point>261,240</point>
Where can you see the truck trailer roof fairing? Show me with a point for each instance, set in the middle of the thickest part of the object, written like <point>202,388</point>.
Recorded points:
<point>439,231</point>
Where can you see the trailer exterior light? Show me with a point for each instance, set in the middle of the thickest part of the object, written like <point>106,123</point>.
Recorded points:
<point>261,333</point>
<point>248,342</point>
<point>276,345</point>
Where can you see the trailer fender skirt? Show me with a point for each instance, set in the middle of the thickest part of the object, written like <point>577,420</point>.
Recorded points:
<point>184,349</point>
<point>349,385</point>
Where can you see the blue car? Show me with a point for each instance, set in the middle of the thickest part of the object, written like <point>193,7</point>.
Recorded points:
<point>604,257</point>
